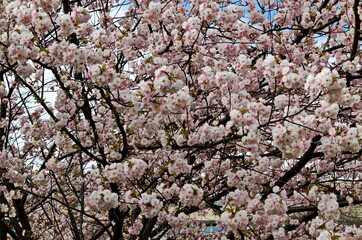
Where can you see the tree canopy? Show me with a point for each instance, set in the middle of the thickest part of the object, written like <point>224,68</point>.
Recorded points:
<point>126,119</point>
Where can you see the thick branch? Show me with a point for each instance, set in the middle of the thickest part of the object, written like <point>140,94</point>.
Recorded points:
<point>357,30</point>
<point>307,156</point>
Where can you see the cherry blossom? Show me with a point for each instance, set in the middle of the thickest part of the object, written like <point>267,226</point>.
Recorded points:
<point>164,119</point>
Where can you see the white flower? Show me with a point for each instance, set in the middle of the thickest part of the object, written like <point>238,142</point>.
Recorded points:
<point>191,195</point>
<point>135,168</point>
<point>102,200</point>
<point>150,205</point>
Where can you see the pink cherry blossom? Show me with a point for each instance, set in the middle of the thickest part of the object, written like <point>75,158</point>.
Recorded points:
<point>197,119</point>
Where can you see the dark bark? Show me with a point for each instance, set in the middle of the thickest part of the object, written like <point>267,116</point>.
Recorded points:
<point>307,156</point>
<point>147,229</point>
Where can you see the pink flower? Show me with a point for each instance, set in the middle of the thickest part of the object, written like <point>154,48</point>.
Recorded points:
<point>191,195</point>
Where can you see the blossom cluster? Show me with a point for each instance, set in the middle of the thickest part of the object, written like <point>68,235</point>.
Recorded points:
<point>135,168</point>
<point>150,205</point>
<point>191,195</point>
<point>234,221</point>
<point>102,200</point>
